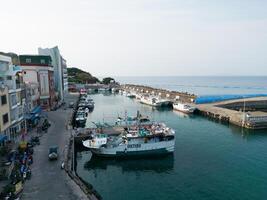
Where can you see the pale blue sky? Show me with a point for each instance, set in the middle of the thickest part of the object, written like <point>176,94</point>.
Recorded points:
<point>143,37</point>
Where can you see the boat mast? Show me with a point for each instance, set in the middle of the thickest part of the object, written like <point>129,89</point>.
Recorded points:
<point>244,113</point>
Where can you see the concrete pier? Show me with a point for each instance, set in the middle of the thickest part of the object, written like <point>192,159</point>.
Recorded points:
<point>249,113</point>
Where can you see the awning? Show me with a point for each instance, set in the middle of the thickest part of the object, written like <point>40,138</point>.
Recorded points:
<point>35,113</point>
<point>3,138</point>
<point>36,110</point>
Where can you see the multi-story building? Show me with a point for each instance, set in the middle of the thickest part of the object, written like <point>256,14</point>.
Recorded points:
<point>64,75</point>
<point>11,78</point>
<point>59,64</point>
<point>32,96</point>
<point>4,111</point>
<point>38,71</point>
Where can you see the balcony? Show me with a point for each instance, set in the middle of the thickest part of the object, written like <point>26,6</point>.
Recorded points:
<point>10,84</point>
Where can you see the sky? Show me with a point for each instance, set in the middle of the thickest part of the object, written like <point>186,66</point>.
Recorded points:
<point>142,37</point>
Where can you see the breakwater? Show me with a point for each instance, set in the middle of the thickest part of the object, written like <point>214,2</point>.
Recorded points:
<point>167,94</point>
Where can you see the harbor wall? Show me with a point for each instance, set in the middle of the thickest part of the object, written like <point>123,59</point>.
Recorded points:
<point>70,169</point>
<point>70,163</point>
<point>166,94</point>
<point>235,112</point>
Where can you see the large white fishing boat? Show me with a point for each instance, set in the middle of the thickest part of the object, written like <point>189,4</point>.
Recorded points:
<point>185,108</point>
<point>134,141</point>
<point>154,101</point>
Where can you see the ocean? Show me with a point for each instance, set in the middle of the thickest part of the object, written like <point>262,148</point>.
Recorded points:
<point>212,161</point>
<point>204,85</point>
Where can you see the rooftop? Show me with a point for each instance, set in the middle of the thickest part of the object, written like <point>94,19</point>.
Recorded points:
<point>36,60</point>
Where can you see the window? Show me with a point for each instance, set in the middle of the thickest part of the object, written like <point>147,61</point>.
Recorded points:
<point>3,100</point>
<point>42,61</point>
<point>9,78</point>
<point>20,112</point>
<point>5,118</point>
<point>28,60</point>
<point>13,99</point>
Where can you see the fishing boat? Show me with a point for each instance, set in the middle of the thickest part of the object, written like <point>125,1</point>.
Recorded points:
<point>154,139</point>
<point>182,107</point>
<point>152,101</point>
<point>130,95</point>
<point>86,103</point>
<point>89,105</point>
<point>80,118</point>
<point>133,121</point>
<point>138,96</point>
<point>164,102</point>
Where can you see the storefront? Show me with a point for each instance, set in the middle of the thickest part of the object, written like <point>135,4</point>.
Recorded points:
<point>34,117</point>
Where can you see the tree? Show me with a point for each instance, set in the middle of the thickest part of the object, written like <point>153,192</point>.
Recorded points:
<point>107,80</point>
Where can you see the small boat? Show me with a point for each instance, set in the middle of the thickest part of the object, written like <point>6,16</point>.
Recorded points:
<point>114,90</point>
<point>80,118</point>
<point>130,95</point>
<point>83,91</point>
<point>185,108</point>
<point>90,105</point>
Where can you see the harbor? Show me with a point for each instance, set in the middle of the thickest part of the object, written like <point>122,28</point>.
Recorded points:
<point>107,124</point>
<point>201,145</point>
<point>136,100</point>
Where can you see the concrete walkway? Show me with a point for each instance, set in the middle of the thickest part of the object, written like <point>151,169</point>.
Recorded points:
<point>48,180</point>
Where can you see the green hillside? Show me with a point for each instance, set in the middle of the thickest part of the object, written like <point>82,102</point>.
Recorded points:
<point>79,76</point>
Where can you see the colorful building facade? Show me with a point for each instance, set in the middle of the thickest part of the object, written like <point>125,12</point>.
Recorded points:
<point>38,70</point>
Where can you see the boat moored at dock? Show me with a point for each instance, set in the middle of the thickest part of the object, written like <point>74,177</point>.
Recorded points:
<point>182,107</point>
<point>154,101</point>
<point>153,139</point>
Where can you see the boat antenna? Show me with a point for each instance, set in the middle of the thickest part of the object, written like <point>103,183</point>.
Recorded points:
<point>126,121</point>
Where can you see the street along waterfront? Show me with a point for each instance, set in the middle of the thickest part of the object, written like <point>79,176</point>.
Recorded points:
<point>211,160</point>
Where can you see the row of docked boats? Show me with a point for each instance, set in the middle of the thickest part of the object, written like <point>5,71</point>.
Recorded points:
<point>157,102</point>
<point>138,137</point>
<point>85,105</point>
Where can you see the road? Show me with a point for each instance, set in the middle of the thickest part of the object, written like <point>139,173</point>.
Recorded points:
<point>48,180</point>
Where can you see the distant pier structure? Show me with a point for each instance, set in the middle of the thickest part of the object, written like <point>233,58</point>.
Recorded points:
<point>162,93</point>
<point>249,113</point>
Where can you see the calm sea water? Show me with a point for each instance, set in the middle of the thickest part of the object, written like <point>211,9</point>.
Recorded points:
<point>204,85</point>
<point>211,161</point>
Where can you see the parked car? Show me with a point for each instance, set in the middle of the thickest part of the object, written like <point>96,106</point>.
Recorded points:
<point>53,154</point>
